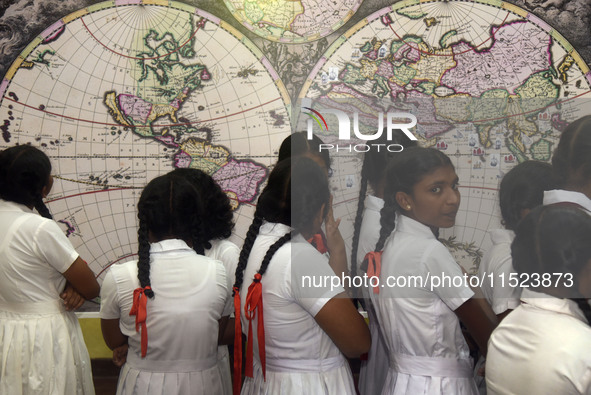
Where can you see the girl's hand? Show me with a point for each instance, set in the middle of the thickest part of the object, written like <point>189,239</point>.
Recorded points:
<point>334,239</point>
<point>72,299</point>
<point>120,355</point>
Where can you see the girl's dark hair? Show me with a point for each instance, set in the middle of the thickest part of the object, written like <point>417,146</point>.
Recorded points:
<point>523,188</point>
<point>169,207</point>
<point>554,239</point>
<point>571,160</point>
<point>24,172</point>
<point>217,211</point>
<point>372,172</point>
<point>297,144</point>
<point>402,174</point>
<point>278,204</point>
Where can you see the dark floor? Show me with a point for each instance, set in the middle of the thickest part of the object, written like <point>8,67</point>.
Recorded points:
<point>105,375</point>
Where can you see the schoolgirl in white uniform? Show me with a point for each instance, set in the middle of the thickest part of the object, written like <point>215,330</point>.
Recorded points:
<point>542,347</point>
<point>374,366</point>
<point>170,305</point>
<point>42,350</point>
<point>220,221</point>
<point>521,190</point>
<point>297,329</point>
<point>571,163</point>
<point>419,317</point>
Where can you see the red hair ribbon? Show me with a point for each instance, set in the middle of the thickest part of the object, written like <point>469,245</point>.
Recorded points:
<point>138,309</point>
<point>319,242</point>
<point>254,302</point>
<point>374,267</point>
<point>237,344</point>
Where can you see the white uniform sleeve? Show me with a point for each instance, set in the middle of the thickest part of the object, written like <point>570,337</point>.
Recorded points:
<point>229,255</point>
<point>54,247</point>
<point>503,297</point>
<point>110,308</point>
<point>225,289</point>
<point>313,281</point>
<point>446,277</point>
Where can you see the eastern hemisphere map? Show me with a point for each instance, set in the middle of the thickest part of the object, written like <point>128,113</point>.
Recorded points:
<point>490,84</point>
<point>121,92</point>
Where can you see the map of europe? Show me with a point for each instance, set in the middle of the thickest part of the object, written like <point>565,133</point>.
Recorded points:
<point>118,93</point>
<point>490,84</point>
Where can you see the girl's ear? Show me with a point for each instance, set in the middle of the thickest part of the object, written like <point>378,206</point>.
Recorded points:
<point>47,187</point>
<point>404,200</point>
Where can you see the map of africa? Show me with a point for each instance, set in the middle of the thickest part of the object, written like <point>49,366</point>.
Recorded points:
<point>490,84</point>
<point>121,92</point>
<point>291,21</point>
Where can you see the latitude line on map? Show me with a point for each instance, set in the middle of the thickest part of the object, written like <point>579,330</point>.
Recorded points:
<point>133,127</point>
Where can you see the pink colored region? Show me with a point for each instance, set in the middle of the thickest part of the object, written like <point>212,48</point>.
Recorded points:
<point>519,50</point>
<point>205,76</point>
<point>385,69</point>
<point>342,88</point>
<point>53,31</point>
<point>167,140</point>
<point>182,160</point>
<point>134,107</point>
<point>242,178</point>
<point>426,112</point>
<point>373,54</point>
<point>558,123</point>
<point>126,2</point>
<point>395,89</point>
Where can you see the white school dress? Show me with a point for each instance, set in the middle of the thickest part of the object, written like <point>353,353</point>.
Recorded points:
<point>428,354</point>
<point>41,345</point>
<point>497,262</point>
<point>374,370</point>
<point>300,357</point>
<point>542,347</point>
<point>228,253</point>
<point>191,295</point>
<point>563,196</point>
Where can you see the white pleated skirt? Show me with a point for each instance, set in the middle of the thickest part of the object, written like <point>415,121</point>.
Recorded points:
<point>157,377</point>
<point>301,377</point>
<point>43,351</point>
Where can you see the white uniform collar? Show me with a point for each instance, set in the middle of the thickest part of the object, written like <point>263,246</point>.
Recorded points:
<point>502,236</point>
<point>409,225</point>
<point>7,205</point>
<point>274,229</point>
<point>561,196</point>
<point>169,245</point>
<point>373,203</point>
<point>547,302</point>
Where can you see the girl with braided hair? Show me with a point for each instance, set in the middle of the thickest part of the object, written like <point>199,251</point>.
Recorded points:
<point>304,326</point>
<point>418,310</point>
<point>41,345</point>
<point>170,304</point>
<point>366,231</point>
<point>542,347</point>
<point>219,222</point>
<point>571,164</point>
